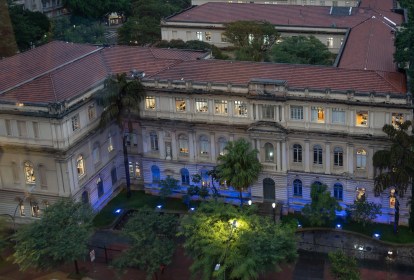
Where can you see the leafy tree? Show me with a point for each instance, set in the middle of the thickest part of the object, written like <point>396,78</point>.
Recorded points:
<point>96,8</point>
<point>251,38</point>
<point>239,166</point>
<point>243,243</point>
<point>363,212</point>
<point>168,186</point>
<point>152,243</point>
<point>301,50</point>
<point>343,267</point>
<point>59,237</point>
<point>394,167</point>
<point>322,209</point>
<point>8,46</point>
<point>191,45</point>
<point>119,97</point>
<point>88,32</point>
<point>203,192</point>
<point>3,234</point>
<point>30,28</point>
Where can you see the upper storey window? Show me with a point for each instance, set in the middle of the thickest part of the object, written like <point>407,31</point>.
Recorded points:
<point>180,104</point>
<point>296,112</point>
<point>201,105</point>
<point>268,112</point>
<point>240,109</point>
<point>396,118</point>
<point>220,107</point>
<point>91,112</point>
<point>199,35</point>
<point>362,118</point>
<point>150,103</point>
<point>29,173</point>
<point>338,116</point>
<point>75,122</point>
<point>318,114</point>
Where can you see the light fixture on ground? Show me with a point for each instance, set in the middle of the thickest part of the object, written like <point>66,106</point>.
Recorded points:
<point>376,236</point>
<point>117,211</point>
<point>249,202</point>
<point>338,226</point>
<point>274,211</point>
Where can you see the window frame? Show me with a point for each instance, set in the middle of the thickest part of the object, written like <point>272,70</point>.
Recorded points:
<point>240,109</point>
<point>361,159</point>
<point>150,103</point>
<point>201,105</point>
<point>269,152</point>
<point>297,153</point>
<point>154,144</point>
<point>297,187</point>
<point>220,106</point>
<point>317,154</point>
<point>80,166</point>
<point>75,121</point>
<point>338,191</point>
<point>338,154</point>
<point>296,113</point>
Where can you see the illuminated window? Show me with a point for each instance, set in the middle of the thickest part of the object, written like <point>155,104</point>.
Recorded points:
<point>201,105</point>
<point>222,142</point>
<point>297,187</point>
<point>80,166</point>
<point>338,156</point>
<point>180,104</point>
<point>204,145</point>
<point>29,173</point>
<point>199,35</point>
<point>150,103</point>
<point>318,114</point>
<point>296,112</point>
<point>360,196</point>
<point>361,159</point>
<point>240,109</point>
<point>329,42</point>
<point>362,118</point>
<point>34,207</point>
<point>207,34</point>
<point>75,123</point>
<point>137,170</point>
<point>338,116</point>
<point>338,191</point>
<point>269,152</point>
<point>21,209</point>
<point>268,112</point>
<point>397,118</point>
<point>131,169</point>
<point>220,107</point>
<point>110,145</point>
<point>154,141</point>
<point>297,153</point>
<point>99,186</point>
<point>91,112</point>
<point>317,154</point>
<point>183,145</point>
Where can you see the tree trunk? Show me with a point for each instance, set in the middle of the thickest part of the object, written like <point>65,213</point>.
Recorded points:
<point>76,266</point>
<point>126,166</point>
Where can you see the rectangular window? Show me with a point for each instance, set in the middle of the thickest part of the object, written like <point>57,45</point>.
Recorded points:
<point>150,103</point>
<point>131,169</point>
<point>312,2</point>
<point>223,38</point>
<point>21,128</point>
<point>75,122</point>
<point>183,144</point>
<point>188,35</point>
<point>110,144</point>
<point>201,105</point>
<point>318,114</point>
<point>174,34</point>
<point>36,130</point>
<point>396,118</point>
<point>304,2</point>
<point>240,109</point>
<point>180,104</point>
<point>137,170</point>
<point>114,177</point>
<point>329,42</point>
<point>268,112</point>
<point>199,35</point>
<point>296,112</point>
<point>8,128</point>
<point>338,116</point>
<point>220,107</point>
<point>362,118</point>
<point>91,112</point>
<point>207,34</point>
<point>334,3</point>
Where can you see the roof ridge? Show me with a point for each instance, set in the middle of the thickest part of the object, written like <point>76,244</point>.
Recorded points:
<point>49,71</point>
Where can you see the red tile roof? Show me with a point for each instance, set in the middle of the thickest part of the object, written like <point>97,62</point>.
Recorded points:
<point>297,76</point>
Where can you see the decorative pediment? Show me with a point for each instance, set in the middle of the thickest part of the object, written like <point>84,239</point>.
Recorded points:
<point>267,127</point>
<point>267,87</point>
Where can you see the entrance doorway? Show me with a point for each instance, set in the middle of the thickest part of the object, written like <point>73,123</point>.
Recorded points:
<point>269,190</point>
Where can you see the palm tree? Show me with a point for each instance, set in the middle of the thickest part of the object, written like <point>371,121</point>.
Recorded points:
<point>119,97</point>
<point>394,167</point>
<point>239,166</point>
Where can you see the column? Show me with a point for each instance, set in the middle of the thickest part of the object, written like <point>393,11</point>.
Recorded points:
<point>283,113</point>
<point>258,148</point>
<point>327,158</point>
<point>257,111</point>
<point>285,161</point>
<point>191,145</point>
<point>307,153</point>
<point>278,158</point>
<point>213,147</point>
<point>350,158</point>
<point>174,146</point>
<point>161,144</point>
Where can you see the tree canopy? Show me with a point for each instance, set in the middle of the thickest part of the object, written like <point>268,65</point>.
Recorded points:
<point>242,243</point>
<point>239,165</point>
<point>301,50</point>
<point>151,236</point>
<point>8,46</point>
<point>70,30</point>
<point>322,208</point>
<point>96,8</point>
<point>343,267</point>
<point>60,236</point>
<point>252,39</point>
<point>363,212</point>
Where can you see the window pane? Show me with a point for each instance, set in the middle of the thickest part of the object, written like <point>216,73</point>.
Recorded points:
<point>201,105</point>
<point>220,107</point>
<point>150,103</point>
<point>240,109</point>
<point>362,118</point>
<point>180,104</point>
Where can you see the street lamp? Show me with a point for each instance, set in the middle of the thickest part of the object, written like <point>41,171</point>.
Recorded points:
<point>218,265</point>
<point>274,211</point>
<point>249,202</point>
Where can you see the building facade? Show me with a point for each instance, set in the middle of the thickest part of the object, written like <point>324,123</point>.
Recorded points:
<point>333,3</point>
<point>51,8</point>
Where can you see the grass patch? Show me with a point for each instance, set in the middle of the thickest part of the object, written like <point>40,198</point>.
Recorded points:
<point>385,230</point>
<point>137,200</point>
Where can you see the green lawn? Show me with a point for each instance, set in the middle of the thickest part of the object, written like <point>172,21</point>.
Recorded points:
<point>137,200</point>
<point>385,230</point>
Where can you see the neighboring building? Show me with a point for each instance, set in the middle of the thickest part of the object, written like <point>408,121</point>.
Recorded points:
<point>334,3</point>
<point>333,26</point>
<point>51,8</point>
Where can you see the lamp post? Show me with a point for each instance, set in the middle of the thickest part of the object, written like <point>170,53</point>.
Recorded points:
<point>249,202</point>
<point>274,212</point>
<point>218,265</point>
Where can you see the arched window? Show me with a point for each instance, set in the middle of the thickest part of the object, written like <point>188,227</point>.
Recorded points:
<point>269,152</point>
<point>29,173</point>
<point>297,153</point>
<point>297,187</point>
<point>222,142</point>
<point>183,145</point>
<point>204,145</point>
<point>185,176</point>
<point>155,174</point>
<point>361,159</point>
<point>338,156</point>
<point>317,154</point>
<point>85,197</point>
<point>110,144</point>
<point>154,141</point>
<point>96,153</point>
<point>338,191</point>
<point>80,166</point>
<point>99,186</point>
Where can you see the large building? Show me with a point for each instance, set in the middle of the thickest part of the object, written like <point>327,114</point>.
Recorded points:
<point>333,3</point>
<point>51,8</point>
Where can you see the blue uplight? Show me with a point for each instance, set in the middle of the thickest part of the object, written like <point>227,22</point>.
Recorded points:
<point>299,226</point>
<point>118,210</point>
<point>159,206</point>
<point>192,208</point>
<point>377,235</point>
<point>338,226</point>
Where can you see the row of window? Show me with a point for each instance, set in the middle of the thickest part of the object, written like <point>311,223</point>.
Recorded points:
<point>184,174</point>
<point>75,120</point>
<point>22,128</point>
<point>337,189</point>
